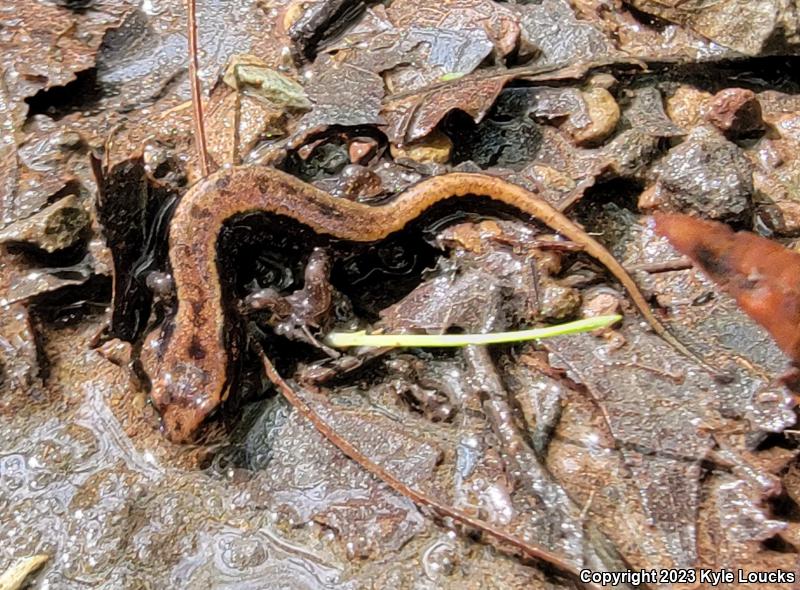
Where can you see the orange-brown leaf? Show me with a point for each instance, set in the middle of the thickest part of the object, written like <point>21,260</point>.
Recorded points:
<point>762,275</point>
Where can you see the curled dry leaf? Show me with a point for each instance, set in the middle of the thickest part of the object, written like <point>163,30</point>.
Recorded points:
<point>762,275</point>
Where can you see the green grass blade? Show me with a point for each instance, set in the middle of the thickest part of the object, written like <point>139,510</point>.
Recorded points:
<point>346,339</point>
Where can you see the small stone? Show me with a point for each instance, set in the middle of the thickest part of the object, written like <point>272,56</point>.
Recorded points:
<point>66,139</point>
<point>356,183</point>
<point>116,351</point>
<point>362,148</point>
<point>735,112</point>
<point>434,148</point>
<point>653,198</point>
<point>55,227</point>
<point>706,175</point>
<point>685,106</point>
<point>776,181</point>
<point>603,112</point>
<point>601,302</point>
<point>552,178</point>
<point>292,13</point>
<point>788,126</point>
<point>602,80</point>
<point>558,302</point>
<point>630,153</point>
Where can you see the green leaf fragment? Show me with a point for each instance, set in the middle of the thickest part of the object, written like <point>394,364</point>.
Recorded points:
<point>252,76</point>
<point>451,76</point>
<point>346,339</point>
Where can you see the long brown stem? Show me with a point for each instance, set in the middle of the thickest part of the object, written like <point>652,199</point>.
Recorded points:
<point>197,101</point>
<point>299,404</point>
<point>673,264</point>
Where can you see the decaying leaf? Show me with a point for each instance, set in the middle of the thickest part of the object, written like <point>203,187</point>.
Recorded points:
<point>251,75</point>
<point>759,273</point>
<point>745,26</point>
<point>53,228</point>
<point>414,116</point>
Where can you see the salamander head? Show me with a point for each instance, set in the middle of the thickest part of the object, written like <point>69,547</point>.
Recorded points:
<point>183,390</point>
<point>185,394</point>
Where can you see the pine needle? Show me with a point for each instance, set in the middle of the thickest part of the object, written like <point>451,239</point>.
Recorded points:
<point>346,339</point>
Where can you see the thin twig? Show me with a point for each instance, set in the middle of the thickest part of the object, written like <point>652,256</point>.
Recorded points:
<point>197,102</point>
<point>682,263</point>
<point>299,404</point>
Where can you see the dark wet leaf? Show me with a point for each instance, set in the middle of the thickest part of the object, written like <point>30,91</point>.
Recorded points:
<point>360,102</point>
<point>414,116</point>
<point>133,213</point>
<point>45,45</point>
<point>552,27</point>
<point>748,27</point>
<point>455,37</point>
<point>314,23</point>
<point>139,61</point>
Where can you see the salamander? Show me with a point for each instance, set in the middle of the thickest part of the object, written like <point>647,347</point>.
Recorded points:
<point>190,373</point>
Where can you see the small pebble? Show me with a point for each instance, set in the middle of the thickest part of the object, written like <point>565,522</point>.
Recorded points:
<point>736,112</point>
<point>434,148</point>
<point>604,114</point>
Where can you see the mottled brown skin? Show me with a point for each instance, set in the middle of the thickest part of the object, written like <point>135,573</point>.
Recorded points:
<point>190,375</point>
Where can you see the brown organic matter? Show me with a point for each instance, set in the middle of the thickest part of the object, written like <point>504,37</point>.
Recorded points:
<point>762,275</point>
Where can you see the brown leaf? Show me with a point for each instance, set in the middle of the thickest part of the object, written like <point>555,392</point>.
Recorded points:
<point>739,24</point>
<point>455,36</point>
<point>762,275</point>
<point>46,44</point>
<point>498,22</point>
<point>414,116</point>
<point>553,29</point>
